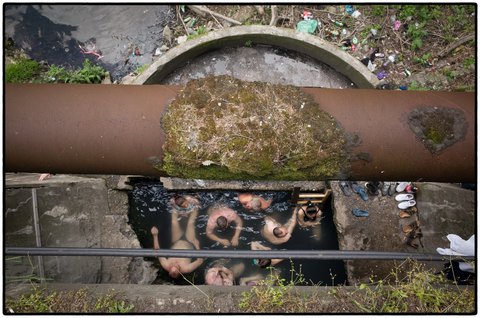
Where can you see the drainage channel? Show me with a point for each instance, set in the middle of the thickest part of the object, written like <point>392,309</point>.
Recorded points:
<point>150,206</point>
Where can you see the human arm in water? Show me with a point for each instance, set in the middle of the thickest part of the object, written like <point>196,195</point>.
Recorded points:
<point>238,229</point>
<point>190,234</point>
<point>211,225</point>
<point>156,245</point>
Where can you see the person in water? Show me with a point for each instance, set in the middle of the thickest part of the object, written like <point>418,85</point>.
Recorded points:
<point>180,240</point>
<point>184,204</point>
<point>220,217</point>
<point>309,214</point>
<point>276,233</point>
<point>253,202</point>
<point>263,262</point>
<point>222,273</point>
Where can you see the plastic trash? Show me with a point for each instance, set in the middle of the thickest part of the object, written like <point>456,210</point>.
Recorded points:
<point>347,42</point>
<point>307,15</point>
<point>356,14</point>
<point>381,55</point>
<point>403,88</point>
<point>391,58</point>
<point>307,26</point>
<point>396,25</point>
<point>355,40</point>
<point>371,66</point>
<point>349,9</point>
<point>374,32</point>
<point>407,72</point>
<point>157,52</point>
<point>381,75</point>
<point>365,61</point>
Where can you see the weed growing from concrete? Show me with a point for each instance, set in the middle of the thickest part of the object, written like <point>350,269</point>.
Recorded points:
<point>419,290</point>
<point>39,300</point>
<point>275,294</point>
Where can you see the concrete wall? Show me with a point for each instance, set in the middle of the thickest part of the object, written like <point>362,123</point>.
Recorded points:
<point>443,209</point>
<point>72,212</point>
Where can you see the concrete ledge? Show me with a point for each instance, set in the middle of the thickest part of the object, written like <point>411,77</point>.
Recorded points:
<point>197,299</point>
<point>289,39</point>
<point>250,185</point>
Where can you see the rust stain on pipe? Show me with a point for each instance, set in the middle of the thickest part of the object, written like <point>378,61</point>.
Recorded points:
<point>380,118</point>
<point>113,129</point>
<point>84,128</point>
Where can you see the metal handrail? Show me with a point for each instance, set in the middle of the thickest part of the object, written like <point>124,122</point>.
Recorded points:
<point>249,254</point>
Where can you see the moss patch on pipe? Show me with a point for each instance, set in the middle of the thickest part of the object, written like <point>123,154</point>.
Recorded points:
<point>437,127</point>
<point>225,128</point>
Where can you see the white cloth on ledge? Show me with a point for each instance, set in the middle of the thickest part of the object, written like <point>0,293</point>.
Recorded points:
<point>460,247</point>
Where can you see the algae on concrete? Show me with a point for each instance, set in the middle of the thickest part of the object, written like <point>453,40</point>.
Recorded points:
<point>225,128</point>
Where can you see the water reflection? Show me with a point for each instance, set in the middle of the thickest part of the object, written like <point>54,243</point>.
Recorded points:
<point>150,206</point>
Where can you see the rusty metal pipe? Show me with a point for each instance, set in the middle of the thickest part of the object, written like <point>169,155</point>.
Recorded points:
<point>114,129</point>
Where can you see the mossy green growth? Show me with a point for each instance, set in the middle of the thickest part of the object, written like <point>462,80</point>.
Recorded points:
<point>22,71</point>
<point>225,128</point>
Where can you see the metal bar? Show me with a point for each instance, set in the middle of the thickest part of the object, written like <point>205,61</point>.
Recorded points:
<point>38,239</point>
<point>115,129</point>
<point>294,254</point>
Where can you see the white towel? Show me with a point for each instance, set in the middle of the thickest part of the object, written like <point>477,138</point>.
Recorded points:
<point>460,247</point>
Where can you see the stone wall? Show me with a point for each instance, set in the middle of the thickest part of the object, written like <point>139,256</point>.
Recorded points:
<point>72,212</point>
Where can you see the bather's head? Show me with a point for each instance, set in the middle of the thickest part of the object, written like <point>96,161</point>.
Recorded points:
<point>264,262</point>
<point>222,223</point>
<point>280,231</point>
<point>174,271</point>
<point>180,201</point>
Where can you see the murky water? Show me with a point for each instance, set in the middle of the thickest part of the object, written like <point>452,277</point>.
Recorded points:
<point>149,206</point>
<point>53,33</point>
<point>261,63</point>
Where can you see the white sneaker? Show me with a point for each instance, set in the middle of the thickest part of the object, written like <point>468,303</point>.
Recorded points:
<point>404,197</point>
<point>401,186</point>
<point>406,204</point>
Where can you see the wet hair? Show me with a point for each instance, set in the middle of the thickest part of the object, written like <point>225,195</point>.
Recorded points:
<point>264,262</point>
<point>222,222</point>
<point>311,212</point>
<point>179,200</point>
<point>174,273</point>
<point>277,232</point>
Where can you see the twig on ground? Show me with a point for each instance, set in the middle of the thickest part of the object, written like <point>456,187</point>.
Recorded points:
<point>181,20</point>
<point>274,19</point>
<point>205,10</point>
<point>456,44</point>
<point>221,26</point>
<point>260,10</point>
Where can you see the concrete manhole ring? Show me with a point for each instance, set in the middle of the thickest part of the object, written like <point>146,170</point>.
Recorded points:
<point>284,38</point>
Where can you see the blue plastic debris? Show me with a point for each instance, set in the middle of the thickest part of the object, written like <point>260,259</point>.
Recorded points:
<point>381,75</point>
<point>349,9</point>
<point>307,26</point>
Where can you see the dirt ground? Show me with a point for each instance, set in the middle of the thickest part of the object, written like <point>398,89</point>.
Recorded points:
<point>432,46</point>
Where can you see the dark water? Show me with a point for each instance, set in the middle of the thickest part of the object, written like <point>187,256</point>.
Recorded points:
<point>149,206</point>
<point>53,33</point>
<point>260,63</point>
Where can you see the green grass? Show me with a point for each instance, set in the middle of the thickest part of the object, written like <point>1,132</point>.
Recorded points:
<point>39,300</point>
<point>22,71</point>
<point>141,69</point>
<point>88,74</point>
<point>410,288</point>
